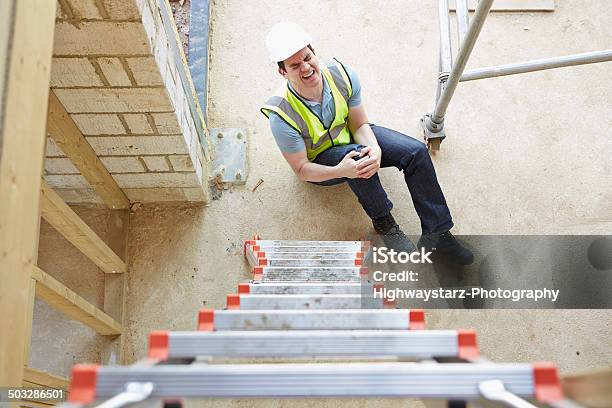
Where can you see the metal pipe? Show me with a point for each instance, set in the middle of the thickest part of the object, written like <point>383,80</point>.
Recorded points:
<point>446,52</point>
<point>466,49</point>
<point>463,19</point>
<point>537,65</point>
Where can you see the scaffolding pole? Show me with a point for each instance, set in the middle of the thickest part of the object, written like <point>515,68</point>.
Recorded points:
<point>463,19</point>
<point>433,124</point>
<point>446,52</point>
<point>538,65</point>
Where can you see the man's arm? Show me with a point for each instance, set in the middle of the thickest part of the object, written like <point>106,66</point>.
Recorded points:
<point>308,171</point>
<point>293,149</point>
<point>362,133</point>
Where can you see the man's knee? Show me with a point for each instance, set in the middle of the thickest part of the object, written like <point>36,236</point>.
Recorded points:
<point>415,153</point>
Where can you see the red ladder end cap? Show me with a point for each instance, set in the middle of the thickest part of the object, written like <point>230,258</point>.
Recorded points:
<point>83,384</point>
<point>546,382</point>
<point>206,320</point>
<point>363,270</point>
<point>233,301</point>
<point>468,346</point>
<point>262,262</point>
<point>158,345</point>
<point>244,288</point>
<point>257,273</point>
<point>358,261</point>
<point>248,243</point>
<point>417,319</point>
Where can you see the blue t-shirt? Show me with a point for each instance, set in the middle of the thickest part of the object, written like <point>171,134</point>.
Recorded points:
<point>288,139</point>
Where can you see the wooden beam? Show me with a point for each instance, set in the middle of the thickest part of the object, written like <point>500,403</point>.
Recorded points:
<point>74,229</point>
<point>71,304</point>
<point>30,318</point>
<point>36,378</point>
<point>69,138</point>
<point>115,285</point>
<point>26,37</point>
<point>513,5</point>
<point>36,404</point>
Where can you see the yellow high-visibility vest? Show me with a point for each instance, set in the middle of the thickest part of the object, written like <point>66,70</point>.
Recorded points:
<point>299,116</point>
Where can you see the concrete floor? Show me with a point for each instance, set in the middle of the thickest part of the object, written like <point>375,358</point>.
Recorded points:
<point>526,154</point>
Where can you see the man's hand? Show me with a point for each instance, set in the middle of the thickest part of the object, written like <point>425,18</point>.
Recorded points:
<point>370,163</point>
<point>348,166</point>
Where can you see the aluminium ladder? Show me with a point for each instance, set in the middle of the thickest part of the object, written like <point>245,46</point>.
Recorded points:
<point>313,299</point>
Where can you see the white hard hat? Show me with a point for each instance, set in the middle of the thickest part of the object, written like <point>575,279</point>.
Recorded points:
<point>285,39</point>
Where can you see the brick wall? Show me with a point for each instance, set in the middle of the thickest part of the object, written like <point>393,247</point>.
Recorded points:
<point>117,72</point>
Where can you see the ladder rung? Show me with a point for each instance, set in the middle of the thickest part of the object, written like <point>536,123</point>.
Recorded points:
<point>320,249</point>
<point>296,263</point>
<point>303,301</point>
<point>314,343</point>
<point>312,255</point>
<point>286,288</point>
<point>279,243</point>
<point>343,319</point>
<point>449,381</point>
<point>307,274</point>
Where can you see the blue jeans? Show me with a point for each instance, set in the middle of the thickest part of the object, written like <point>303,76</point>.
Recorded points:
<point>407,155</point>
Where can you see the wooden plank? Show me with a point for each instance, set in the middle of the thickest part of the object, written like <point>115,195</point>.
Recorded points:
<point>115,285</point>
<point>30,318</point>
<point>513,5</point>
<point>28,45</point>
<point>33,378</point>
<point>71,304</point>
<point>69,138</point>
<point>36,404</point>
<point>75,230</point>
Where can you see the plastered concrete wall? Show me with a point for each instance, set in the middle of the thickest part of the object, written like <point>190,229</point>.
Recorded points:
<point>115,72</point>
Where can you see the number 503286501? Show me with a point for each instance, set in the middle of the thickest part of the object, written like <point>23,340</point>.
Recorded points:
<point>49,394</point>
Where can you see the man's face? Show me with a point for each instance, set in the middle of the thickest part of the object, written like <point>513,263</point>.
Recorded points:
<point>302,69</point>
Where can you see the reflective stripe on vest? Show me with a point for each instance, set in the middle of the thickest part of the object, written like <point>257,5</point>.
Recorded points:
<point>298,115</point>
